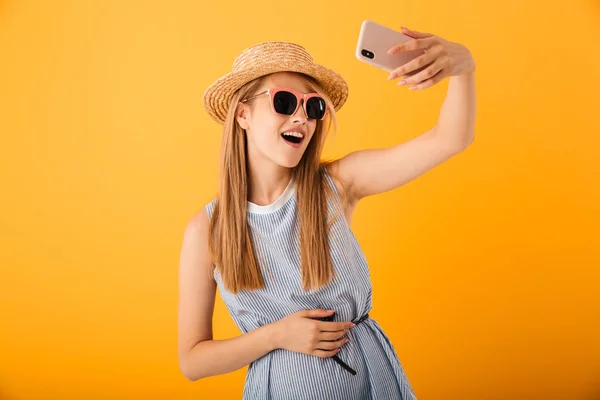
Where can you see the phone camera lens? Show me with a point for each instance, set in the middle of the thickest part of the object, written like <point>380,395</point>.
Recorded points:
<point>367,53</point>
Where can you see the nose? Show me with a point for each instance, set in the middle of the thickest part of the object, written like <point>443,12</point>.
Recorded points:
<point>300,114</point>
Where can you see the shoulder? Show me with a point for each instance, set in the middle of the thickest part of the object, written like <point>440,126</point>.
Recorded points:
<point>197,225</point>
<point>199,222</point>
<point>195,246</point>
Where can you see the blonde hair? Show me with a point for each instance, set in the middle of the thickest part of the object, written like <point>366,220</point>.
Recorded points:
<point>230,242</point>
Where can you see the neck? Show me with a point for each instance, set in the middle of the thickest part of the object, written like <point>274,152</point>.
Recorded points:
<point>266,186</point>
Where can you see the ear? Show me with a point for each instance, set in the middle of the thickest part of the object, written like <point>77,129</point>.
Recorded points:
<point>241,115</point>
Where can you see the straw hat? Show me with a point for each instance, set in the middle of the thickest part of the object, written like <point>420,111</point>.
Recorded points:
<point>266,58</point>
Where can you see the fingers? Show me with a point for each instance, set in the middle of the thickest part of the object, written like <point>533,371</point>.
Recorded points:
<point>333,344</point>
<point>326,326</point>
<point>330,341</point>
<point>431,74</point>
<point>429,82</point>
<point>413,65</point>
<point>329,348</point>
<point>425,70</point>
<point>328,337</point>
<point>324,336</point>
<point>413,73</point>
<point>415,34</point>
<point>415,44</point>
<point>316,313</point>
<point>325,353</point>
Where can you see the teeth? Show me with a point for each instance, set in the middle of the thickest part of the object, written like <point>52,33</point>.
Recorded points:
<point>297,134</point>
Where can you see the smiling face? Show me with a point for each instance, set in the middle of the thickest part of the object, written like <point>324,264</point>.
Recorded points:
<point>265,128</point>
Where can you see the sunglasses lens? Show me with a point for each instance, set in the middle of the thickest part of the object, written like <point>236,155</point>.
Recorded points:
<point>284,102</point>
<point>315,108</point>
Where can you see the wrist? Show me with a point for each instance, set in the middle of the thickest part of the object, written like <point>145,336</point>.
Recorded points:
<point>271,333</point>
<point>466,76</point>
<point>469,67</point>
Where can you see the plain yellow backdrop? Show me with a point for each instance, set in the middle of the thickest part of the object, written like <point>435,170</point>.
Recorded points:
<point>485,270</point>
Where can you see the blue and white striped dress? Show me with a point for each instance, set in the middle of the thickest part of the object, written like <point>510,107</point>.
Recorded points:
<point>283,374</point>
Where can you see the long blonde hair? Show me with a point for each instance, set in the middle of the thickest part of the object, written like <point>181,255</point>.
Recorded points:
<point>230,242</point>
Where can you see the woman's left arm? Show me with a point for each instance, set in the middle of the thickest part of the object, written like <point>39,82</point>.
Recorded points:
<point>372,171</point>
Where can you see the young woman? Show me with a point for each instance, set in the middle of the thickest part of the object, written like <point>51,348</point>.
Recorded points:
<point>277,239</point>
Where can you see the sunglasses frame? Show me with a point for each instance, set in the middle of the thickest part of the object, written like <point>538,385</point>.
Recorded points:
<point>299,96</point>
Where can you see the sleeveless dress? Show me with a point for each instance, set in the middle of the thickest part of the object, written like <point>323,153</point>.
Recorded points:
<point>282,374</point>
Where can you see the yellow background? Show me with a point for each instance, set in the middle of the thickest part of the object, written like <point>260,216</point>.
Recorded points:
<point>485,270</point>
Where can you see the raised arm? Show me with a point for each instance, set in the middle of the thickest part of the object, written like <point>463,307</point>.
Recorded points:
<point>372,171</point>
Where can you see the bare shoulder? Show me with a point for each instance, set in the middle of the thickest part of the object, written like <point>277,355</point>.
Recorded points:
<point>195,252</point>
<point>197,286</point>
<point>198,221</point>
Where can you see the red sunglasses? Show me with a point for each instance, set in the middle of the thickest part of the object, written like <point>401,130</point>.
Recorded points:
<point>286,101</point>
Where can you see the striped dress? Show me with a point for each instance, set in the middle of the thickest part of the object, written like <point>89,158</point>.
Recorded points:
<point>283,374</point>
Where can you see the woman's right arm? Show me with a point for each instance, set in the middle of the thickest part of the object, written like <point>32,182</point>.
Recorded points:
<point>199,355</point>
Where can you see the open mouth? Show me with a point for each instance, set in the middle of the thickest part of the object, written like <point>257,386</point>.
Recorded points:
<point>293,137</point>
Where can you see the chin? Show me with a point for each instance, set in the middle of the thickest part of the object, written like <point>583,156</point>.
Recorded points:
<point>289,163</point>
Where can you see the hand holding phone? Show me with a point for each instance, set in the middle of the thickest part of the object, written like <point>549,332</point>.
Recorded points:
<point>375,40</point>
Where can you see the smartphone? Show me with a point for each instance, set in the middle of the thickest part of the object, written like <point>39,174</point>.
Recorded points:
<point>375,40</point>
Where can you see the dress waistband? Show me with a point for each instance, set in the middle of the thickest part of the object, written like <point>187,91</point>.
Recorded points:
<point>335,357</point>
<point>356,321</point>
<point>361,319</point>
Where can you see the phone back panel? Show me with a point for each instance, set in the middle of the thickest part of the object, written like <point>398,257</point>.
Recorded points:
<point>378,39</point>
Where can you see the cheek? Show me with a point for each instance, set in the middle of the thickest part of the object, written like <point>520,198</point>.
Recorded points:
<point>264,120</point>
<point>312,127</point>
<point>265,130</point>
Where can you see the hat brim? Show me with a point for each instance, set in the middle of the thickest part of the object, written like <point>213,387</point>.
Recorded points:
<point>217,97</point>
